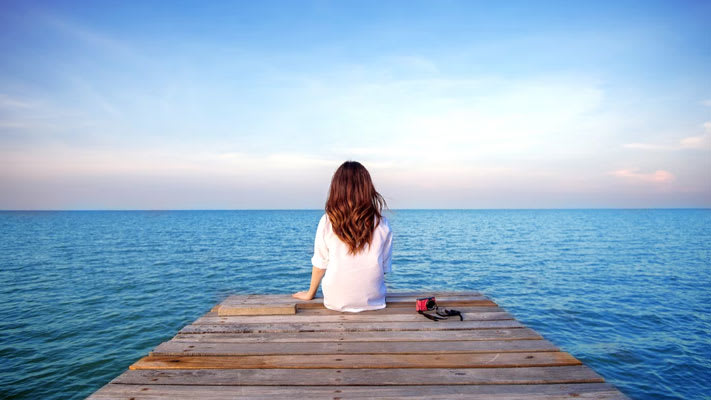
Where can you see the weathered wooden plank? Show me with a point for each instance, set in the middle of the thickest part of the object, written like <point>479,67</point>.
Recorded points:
<point>239,303</point>
<point>319,353</point>
<point>362,376</point>
<point>184,348</point>
<point>257,309</point>
<point>391,311</point>
<point>390,297</point>
<point>599,391</point>
<point>382,312</point>
<point>430,293</point>
<point>350,327</point>
<point>446,360</point>
<point>227,309</point>
<point>412,316</point>
<point>394,353</point>
<point>410,300</point>
<point>377,336</point>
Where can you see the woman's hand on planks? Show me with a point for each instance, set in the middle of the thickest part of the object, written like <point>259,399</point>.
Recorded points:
<point>303,295</point>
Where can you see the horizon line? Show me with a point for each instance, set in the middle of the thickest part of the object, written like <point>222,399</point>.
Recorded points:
<point>320,209</point>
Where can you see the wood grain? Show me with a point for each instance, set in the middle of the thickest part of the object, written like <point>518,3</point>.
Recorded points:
<point>302,361</point>
<point>365,336</point>
<point>390,311</point>
<point>424,326</point>
<point>237,304</point>
<point>192,348</point>
<point>412,316</point>
<point>391,376</point>
<point>274,346</point>
<point>257,309</point>
<point>598,391</point>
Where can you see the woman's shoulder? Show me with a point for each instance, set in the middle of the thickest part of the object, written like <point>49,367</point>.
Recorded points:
<point>325,229</point>
<point>323,222</point>
<point>384,223</point>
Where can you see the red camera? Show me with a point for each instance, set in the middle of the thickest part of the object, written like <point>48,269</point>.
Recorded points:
<point>429,304</point>
<point>425,304</point>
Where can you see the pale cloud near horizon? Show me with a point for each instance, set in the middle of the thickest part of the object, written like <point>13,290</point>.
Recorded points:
<point>633,174</point>
<point>10,102</point>
<point>698,142</point>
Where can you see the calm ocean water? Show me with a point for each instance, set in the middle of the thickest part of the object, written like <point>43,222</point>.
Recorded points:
<point>84,294</point>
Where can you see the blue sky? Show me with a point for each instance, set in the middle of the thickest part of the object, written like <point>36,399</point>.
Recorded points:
<point>183,105</point>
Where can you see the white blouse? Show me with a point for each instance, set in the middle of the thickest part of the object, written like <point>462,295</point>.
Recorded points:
<point>353,283</point>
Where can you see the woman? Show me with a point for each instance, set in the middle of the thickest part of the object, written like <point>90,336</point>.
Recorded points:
<point>353,246</point>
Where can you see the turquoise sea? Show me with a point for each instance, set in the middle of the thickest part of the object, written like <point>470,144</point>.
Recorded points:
<point>86,293</point>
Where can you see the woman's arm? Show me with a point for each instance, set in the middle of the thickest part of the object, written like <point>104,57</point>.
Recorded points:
<point>316,275</point>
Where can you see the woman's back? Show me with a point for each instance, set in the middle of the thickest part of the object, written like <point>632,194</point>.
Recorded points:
<point>353,282</point>
<point>353,246</point>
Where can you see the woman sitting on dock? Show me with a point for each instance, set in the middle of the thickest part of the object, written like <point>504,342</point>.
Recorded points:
<point>353,246</point>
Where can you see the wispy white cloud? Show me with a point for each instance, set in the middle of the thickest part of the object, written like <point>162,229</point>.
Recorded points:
<point>88,36</point>
<point>60,160</point>
<point>156,178</point>
<point>702,141</point>
<point>414,64</point>
<point>10,102</point>
<point>443,119</point>
<point>634,174</point>
<point>698,142</point>
<point>33,122</point>
<point>649,146</point>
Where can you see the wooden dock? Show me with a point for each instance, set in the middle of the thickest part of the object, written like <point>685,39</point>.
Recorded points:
<point>273,346</point>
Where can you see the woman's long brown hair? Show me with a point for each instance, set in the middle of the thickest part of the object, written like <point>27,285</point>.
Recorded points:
<point>354,206</point>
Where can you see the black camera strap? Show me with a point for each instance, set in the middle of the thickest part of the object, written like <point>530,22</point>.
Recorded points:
<point>448,313</point>
<point>433,317</point>
<point>442,313</point>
